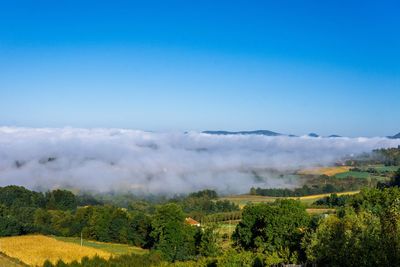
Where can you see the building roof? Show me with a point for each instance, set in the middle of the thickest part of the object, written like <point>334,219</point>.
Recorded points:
<point>192,221</point>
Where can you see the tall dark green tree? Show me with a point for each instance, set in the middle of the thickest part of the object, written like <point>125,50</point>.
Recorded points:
<point>396,179</point>
<point>272,228</point>
<point>172,236</point>
<point>139,230</point>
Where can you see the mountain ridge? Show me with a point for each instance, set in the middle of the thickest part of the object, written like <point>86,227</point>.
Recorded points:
<point>272,133</point>
<point>255,132</point>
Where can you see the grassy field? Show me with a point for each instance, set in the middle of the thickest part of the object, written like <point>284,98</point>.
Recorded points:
<point>8,262</point>
<point>34,250</point>
<point>381,168</point>
<point>360,175</point>
<point>226,229</point>
<point>113,248</point>
<point>242,200</point>
<point>329,171</point>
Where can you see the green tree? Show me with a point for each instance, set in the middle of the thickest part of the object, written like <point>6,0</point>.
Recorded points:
<point>272,228</point>
<point>396,179</point>
<point>207,239</point>
<point>61,200</point>
<point>19,196</point>
<point>8,225</point>
<point>353,240</point>
<point>173,237</point>
<point>139,230</point>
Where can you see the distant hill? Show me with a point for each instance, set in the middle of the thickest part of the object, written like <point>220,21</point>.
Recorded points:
<point>268,133</point>
<point>257,132</point>
<point>313,135</point>
<point>397,136</point>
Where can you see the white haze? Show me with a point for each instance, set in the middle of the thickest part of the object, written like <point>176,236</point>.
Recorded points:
<point>127,160</point>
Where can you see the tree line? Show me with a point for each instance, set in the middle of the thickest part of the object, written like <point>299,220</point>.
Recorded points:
<point>305,190</point>
<point>364,231</point>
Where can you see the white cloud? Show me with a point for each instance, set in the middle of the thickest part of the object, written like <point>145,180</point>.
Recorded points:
<point>117,159</point>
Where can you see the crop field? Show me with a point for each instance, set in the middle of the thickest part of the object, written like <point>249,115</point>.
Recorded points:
<point>34,250</point>
<point>243,200</point>
<point>329,171</point>
<point>113,248</point>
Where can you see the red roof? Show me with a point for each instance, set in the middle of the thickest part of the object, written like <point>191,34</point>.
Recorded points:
<point>192,221</point>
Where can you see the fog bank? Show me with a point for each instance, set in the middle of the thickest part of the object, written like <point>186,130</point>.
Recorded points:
<point>128,160</point>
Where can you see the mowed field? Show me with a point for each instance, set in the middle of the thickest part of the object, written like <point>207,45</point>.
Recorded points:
<point>329,171</point>
<point>113,248</point>
<point>34,250</point>
<point>243,200</point>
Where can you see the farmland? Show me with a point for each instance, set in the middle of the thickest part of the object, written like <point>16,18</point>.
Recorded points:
<point>243,200</point>
<point>34,250</point>
<point>329,171</point>
<point>356,174</point>
<point>378,171</point>
<point>113,248</point>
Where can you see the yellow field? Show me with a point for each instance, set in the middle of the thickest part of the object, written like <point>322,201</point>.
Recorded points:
<point>329,171</point>
<point>325,195</point>
<point>36,249</point>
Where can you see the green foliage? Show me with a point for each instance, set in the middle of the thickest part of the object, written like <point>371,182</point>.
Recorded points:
<point>374,200</point>
<point>222,217</point>
<point>202,203</point>
<point>365,233</point>
<point>152,259</point>
<point>88,200</point>
<point>297,192</point>
<point>105,223</point>
<point>9,225</point>
<point>139,230</point>
<point>396,179</point>
<point>18,196</point>
<point>353,240</point>
<point>61,200</point>
<point>207,193</point>
<point>173,237</point>
<point>207,242</point>
<point>385,156</point>
<point>272,228</point>
<point>332,200</point>
<point>234,258</point>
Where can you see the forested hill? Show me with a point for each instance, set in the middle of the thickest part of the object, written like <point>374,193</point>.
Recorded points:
<point>396,136</point>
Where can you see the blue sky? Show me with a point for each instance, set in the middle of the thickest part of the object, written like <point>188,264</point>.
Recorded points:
<point>288,66</point>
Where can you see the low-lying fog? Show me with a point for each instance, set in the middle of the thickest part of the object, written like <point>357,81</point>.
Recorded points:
<point>116,159</point>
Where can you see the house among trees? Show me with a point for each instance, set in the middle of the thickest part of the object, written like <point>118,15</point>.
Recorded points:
<point>192,222</point>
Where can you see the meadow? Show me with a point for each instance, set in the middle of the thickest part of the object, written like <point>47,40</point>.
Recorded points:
<point>34,250</point>
<point>113,248</point>
<point>243,200</point>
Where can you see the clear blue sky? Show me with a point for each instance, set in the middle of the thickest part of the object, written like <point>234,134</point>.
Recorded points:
<point>288,66</point>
